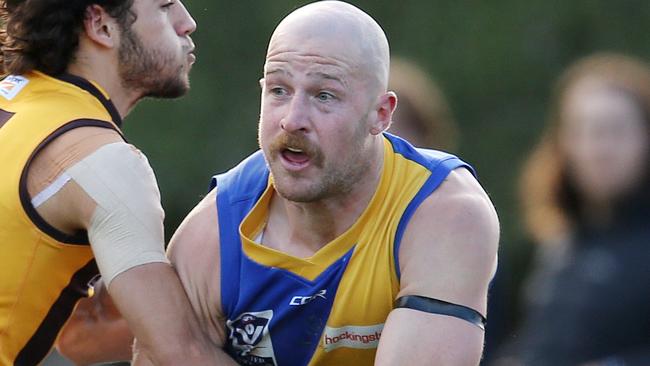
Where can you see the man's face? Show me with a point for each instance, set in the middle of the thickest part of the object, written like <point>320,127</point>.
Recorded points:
<point>155,53</point>
<point>314,127</point>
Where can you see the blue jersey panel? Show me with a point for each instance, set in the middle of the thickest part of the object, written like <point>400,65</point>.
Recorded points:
<point>274,317</point>
<point>237,192</point>
<point>279,317</point>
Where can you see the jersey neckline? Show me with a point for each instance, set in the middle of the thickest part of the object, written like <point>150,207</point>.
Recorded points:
<point>311,267</point>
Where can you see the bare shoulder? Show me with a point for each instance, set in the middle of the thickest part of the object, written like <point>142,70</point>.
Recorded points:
<point>461,204</point>
<point>194,247</point>
<point>449,248</point>
<point>198,231</point>
<point>195,254</point>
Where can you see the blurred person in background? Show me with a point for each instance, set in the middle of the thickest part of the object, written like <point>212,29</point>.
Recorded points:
<point>423,116</point>
<point>586,202</point>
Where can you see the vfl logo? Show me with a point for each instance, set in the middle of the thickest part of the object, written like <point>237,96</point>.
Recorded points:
<point>302,300</point>
<point>249,341</point>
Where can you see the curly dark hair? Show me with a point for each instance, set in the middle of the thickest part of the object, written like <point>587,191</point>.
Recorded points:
<point>44,34</point>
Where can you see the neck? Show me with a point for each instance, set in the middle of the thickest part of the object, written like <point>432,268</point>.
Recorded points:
<point>103,70</point>
<point>307,227</point>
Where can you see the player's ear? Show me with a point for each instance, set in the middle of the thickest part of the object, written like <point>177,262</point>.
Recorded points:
<point>100,27</point>
<point>262,83</point>
<point>386,104</point>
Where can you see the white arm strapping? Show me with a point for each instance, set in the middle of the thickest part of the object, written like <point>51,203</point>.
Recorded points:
<point>126,229</point>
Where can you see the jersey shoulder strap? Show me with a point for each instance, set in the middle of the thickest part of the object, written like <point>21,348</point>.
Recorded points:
<point>237,192</point>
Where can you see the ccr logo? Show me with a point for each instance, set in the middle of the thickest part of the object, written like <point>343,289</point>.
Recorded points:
<point>302,300</point>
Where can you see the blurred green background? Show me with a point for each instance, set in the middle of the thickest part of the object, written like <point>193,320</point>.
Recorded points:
<point>495,60</point>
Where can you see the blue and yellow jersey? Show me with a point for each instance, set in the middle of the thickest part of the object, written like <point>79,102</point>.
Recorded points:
<point>43,272</point>
<point>330,308</point>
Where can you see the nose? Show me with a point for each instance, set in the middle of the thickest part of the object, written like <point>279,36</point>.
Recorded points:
<point>297,115</point>
<point>185,24</point>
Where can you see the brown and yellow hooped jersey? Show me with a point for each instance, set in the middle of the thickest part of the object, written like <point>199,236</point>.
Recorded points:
<point>43,272</point>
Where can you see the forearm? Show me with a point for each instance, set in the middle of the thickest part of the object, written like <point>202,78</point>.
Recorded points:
<point>152,300</point>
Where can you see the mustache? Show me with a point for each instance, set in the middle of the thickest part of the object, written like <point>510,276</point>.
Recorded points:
<point>284,141</point>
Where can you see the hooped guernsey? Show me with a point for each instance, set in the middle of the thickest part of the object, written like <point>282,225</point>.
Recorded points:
<point>43,272</point>
<point>330,308</point>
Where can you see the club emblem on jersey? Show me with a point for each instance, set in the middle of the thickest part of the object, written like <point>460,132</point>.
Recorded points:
<point>249,341</point>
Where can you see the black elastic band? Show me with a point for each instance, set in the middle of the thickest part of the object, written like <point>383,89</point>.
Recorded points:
<point>434,306</point>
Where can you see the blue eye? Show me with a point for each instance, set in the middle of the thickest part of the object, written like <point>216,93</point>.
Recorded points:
<point>278,91</point>
<point>325,96</point>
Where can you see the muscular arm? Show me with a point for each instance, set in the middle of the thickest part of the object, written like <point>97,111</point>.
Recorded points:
<point>194,252</point>
<point>97,333</point>
<point>146,291</point>
<point>449,253</point>
<point>156,309</point>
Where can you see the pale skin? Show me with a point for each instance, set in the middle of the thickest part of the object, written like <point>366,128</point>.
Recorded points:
<point>171,334</point>
<point>324,108</point>
<point>603,126</point>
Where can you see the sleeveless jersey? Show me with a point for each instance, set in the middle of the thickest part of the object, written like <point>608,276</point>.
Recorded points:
<point>43,272</point>
<point>330,308</point>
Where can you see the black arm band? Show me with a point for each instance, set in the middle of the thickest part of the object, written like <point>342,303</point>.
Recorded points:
<point>434,306</point>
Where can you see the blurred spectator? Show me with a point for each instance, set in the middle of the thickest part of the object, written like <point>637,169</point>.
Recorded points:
<point>586,200</point>
<point>423,116</point>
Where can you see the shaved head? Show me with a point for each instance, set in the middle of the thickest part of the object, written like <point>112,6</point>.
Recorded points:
<point>324,102</point>
<point>338,30</point>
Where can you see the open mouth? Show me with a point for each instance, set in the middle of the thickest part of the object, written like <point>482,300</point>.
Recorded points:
<point>295,157</point>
